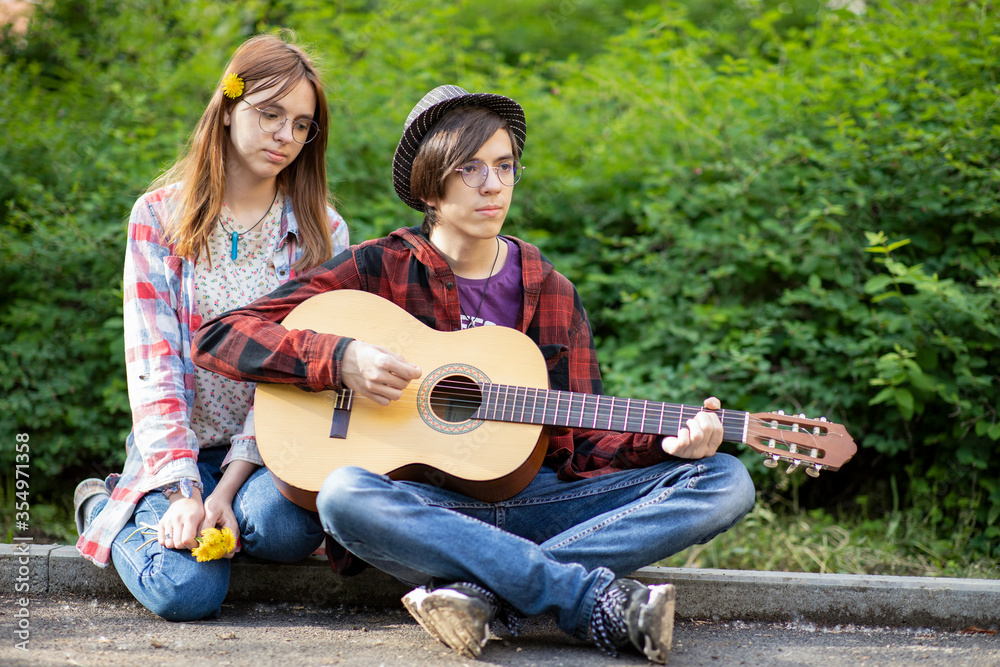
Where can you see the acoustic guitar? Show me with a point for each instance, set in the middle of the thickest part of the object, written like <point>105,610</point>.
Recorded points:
<point>478,418</point>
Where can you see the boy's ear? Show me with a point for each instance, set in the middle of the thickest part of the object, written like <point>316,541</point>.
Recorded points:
<point>430,203</point>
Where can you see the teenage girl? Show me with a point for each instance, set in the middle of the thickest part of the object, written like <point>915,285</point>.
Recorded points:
<point>242,211</point>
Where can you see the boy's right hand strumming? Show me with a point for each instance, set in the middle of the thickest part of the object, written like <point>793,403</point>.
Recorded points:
<point>376,373</point>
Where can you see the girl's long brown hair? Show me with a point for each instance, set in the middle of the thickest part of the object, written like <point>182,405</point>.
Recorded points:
<point>262,62</point>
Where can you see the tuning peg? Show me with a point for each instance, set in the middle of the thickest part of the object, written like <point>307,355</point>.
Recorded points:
<point>793,467</point>
<point>780,412</point>
<point>771,461</point>
<point>813,470</point>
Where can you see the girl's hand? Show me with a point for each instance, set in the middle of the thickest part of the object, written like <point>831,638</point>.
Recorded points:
<point>181,523</point>
<point>219,504</point>
<point>219,514</point>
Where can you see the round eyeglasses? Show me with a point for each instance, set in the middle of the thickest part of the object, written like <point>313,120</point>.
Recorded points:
<point>271,120</point>
<point>475,173</point>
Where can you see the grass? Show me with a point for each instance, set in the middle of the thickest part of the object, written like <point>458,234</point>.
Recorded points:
<point>899,543</point>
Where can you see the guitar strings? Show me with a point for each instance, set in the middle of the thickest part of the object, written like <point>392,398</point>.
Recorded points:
<point>809,453</point>
<point>473,398</point>
<point>463,396</point>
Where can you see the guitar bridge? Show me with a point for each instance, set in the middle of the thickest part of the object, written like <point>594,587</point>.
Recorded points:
<point>341,415</point>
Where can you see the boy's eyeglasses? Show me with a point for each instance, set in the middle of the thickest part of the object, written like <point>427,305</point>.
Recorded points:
<point>475,173</point>
<point>271,120</point>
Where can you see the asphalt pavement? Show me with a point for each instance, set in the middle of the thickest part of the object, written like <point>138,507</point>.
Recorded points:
<point>106,632</point>
<point>56,609</point>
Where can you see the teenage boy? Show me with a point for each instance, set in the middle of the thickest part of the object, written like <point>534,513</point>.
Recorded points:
<point>602,505</point>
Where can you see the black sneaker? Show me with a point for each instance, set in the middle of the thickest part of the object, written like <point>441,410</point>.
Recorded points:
<point>629,613</point>
<point>459,615</point>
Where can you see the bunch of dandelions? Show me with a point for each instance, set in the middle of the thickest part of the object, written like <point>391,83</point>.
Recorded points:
<point>212,545</point>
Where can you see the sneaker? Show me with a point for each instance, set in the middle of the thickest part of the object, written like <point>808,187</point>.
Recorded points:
<point>459,615</point>
<point>85,490</point>
<point>629,613</point>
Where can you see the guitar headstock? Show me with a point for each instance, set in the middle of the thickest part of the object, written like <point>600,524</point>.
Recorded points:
<point>815,444</point>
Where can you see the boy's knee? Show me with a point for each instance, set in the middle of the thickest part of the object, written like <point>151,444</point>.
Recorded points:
<point>741,491</point>
<point>735,486</point>
<point>338,490</point>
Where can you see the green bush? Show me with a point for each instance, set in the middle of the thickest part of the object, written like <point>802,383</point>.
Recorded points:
<point>776,203</point>
<point>92,108</point>
<point>751,245</point>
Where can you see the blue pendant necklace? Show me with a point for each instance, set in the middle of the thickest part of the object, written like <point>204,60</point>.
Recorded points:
<point>234,237</point>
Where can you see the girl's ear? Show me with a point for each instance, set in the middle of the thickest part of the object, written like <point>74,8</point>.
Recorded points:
<point>227,118</point>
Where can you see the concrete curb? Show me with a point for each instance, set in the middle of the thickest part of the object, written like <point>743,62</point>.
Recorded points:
<point>825,599</point>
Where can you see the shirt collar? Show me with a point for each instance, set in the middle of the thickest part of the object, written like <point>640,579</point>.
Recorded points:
<point>535,266</point>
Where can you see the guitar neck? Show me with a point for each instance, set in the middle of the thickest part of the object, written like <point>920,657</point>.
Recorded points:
<point>547,407</point>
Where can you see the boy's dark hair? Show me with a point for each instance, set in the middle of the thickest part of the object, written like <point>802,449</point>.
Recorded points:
<point>452,142</point>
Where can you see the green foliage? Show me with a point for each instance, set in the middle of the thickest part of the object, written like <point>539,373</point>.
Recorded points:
<point>780,204</point>
<point>90,116</point>
<point>795,229</point>
<point>773,537</point>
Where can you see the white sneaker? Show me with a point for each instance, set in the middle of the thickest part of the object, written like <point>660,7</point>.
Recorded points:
<point>458,615</point>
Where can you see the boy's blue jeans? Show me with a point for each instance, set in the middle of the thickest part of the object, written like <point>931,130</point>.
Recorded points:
<point>554,547</point>
<point>171,583</point>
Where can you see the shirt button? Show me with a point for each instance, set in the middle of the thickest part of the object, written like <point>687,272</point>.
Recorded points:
<point>449,285</point>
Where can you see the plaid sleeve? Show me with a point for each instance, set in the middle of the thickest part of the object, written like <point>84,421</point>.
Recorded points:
<point>157,322</point>
<point>249,344</point>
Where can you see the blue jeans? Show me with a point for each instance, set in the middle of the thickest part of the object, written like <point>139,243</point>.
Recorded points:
<point>554,547</point>
<point>171,583</point>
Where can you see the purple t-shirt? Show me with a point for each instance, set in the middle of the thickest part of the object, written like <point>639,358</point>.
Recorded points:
<point>501,301</point>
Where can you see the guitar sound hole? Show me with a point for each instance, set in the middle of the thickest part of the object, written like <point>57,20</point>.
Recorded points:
<point>455,398</point>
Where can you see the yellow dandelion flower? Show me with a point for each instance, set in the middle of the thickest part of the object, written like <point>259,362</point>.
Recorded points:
<point>214,544</point>
<point>232,86</point>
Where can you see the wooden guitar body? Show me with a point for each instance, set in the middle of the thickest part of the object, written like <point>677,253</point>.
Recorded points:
<point>406,440</point>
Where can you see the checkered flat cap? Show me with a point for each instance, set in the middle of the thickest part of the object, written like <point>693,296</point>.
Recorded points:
<point>428,112</point>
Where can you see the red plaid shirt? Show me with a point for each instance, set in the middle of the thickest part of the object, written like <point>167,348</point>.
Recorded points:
<point>248,343</point>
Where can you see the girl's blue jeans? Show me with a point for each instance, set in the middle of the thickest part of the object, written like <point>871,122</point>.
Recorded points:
<point>552,548</point>
<point>171,583</point>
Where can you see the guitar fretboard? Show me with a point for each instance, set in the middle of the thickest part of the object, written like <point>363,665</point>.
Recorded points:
<point>547,407</point>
